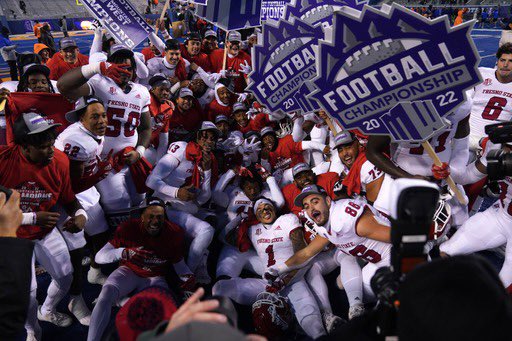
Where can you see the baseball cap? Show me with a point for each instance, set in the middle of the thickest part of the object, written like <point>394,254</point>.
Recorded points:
<point>67,42</point>
<point>80,106</point>
<point>299,168</point>
<point>35,123</point>
<point>210,33</point>
<point>159,80</point>
<point>239,107</point>
<point>234,36</point>
<point>208,125</point>
<point>119,48</point>
<point>186,92</point>
<point>154,201</point>
<point>172,44</point>
<point>267,130</point>
<point>194,36</point>
<point>344,137</point>
<point>36,68</point>
<point>221,118</point>
<point>307,191</point>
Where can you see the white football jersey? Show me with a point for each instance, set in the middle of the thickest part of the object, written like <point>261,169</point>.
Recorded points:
<point>340,230</point>
<point>160,65</point>
<point>80,144</point>
<point>492,102</point>
<point>272,242</point>
<point>124,111</point>
<point>412,157</point>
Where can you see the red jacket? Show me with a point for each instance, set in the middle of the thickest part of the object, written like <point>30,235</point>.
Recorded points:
<point>232,64</point>
<point>58,66</point>
<point>214,109</point>
<point>200,59</point>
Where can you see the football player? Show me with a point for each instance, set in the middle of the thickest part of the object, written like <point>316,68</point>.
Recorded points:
<point>41,175</point>
<point>82,142</point>
<point>173,66</point>
<point>146,247</point>
<point>191,51</point>
<point>183,178</point>
<point>209,42</point>
<point>129,121</point>
<point>186,118</point>
<point>275,239</point>
<point>359,231</point>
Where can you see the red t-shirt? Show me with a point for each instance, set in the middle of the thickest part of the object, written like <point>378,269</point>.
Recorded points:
<point>214,109</point>
<point>40,187</point>
<point>167,247</point>
<point>326,180</point>
<point>186,122</point>
<point>58,66</point>
<point>160,117</point>
<point>257,123</point>
<point>232,64</point>
<point>287,154</point>
<point>200,59</point>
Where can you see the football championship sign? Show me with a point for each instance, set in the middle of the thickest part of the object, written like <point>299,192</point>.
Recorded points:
<point>231,14</point>
<point>121,19</point>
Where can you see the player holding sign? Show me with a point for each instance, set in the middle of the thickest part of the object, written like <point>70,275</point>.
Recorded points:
<point>129,121</point>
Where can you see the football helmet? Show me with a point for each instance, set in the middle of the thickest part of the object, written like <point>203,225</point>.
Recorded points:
<point>441,219</point>
<point>272,315</point>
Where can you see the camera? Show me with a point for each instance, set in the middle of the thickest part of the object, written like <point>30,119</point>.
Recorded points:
<point>413,205</point>
<point>499,163</point>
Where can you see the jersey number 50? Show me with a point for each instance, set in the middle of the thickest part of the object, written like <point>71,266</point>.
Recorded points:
<point>115,124</point>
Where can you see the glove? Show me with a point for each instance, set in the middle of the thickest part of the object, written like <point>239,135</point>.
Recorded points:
<point>441,172</point>
<point>251,146</point>
<point>251,113</point>
<point>136,255</point>
<point>95,25</point>
<point>234,140</point>
<point>242,97</point>
<point>242,171</point>
<point>275,285</point>
<point>188,282</point>
<point>105,166</point>
<point>214,77</point>
<point>245,68</point>
<point>113,71</point>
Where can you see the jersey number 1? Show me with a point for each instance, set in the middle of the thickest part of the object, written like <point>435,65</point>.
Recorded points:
<point>270,252</point>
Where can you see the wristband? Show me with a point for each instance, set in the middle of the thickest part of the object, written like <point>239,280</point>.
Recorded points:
<point>29,219</point>
<point>140,150</point>
<point>90,70</point>
<point>81,212</point>
<point>282,268</point>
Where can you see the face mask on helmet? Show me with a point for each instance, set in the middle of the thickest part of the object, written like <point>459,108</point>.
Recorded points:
<point>272,315</point>
<point>441,220</point>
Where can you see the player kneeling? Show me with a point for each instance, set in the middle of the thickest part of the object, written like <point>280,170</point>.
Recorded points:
<point>146,246</point>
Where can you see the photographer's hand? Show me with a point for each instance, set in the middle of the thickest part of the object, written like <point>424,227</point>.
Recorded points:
<point>10,214</point>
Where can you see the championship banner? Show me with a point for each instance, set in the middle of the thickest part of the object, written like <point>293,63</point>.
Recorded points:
<point>53,107</point>
<point>315,12</point>
<point>384,73</point>
<point>197,2</point>
<point>121,19</point>
<point>231,14</point>
<point>273,10</point>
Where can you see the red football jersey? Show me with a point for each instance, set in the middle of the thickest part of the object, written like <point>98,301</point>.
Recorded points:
<point>326,180</point>
<point>214,109</point>
<point>257,123</point>
<point>167,247</point>
<point>200,59</point>
<point>287,154</point>
<point>40,187</point>
<point>232,65</point>
<point>58,66</point>
<point>160,117</point>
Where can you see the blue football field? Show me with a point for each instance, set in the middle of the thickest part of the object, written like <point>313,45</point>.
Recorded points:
<point>486,41</point>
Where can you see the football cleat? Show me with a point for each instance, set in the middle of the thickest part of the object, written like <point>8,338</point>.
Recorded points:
<point>95,276</point>
<point>355,311</point>
<point>54,317</point>
<point>332,322</point>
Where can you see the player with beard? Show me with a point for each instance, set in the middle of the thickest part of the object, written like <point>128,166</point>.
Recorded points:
<point>183,178</point>
<point>186,118</point>
<point>356,229</point>
<point>146,247</point>
<point>41,175</point>
<point>275,239</point>
<point>209,43</point>
<point>67,59</point>
<point>238,63</point>
<point>161,110</point>
<point>191,51</point>
<point>172,66</point>
<point>284,153</point>
<point>82,142</point>
<point>362,177</point>
<point>129,121</point>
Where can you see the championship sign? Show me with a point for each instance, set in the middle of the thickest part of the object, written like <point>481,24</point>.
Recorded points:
<point>314,12</point>
<point>120,18</point>
<point>283,62</point>
<point>231,14</point>
<point>378,62</point>
<point>272,10</point>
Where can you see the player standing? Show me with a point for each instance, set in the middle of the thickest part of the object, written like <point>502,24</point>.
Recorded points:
<point>129,120</point>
